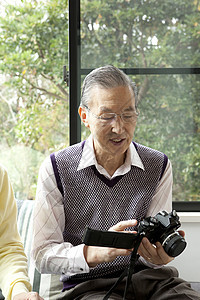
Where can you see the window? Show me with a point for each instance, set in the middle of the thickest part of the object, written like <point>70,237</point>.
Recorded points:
<point>157,44</point>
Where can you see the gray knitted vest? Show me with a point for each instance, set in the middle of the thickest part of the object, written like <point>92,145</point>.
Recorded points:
<point>91,199</point>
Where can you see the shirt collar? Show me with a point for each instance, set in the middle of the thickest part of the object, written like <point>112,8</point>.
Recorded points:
<point>88,159</point>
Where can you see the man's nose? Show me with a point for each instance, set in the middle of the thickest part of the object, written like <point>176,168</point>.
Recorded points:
<point>117,125</point>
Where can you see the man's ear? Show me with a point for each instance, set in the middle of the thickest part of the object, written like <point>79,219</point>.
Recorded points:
<point>83,115</point>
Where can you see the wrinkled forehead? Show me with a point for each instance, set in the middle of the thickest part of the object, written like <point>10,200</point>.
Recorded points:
<point>109,99</point>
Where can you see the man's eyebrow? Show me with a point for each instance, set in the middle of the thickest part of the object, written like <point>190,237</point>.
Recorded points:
<point>130,108</point>
<point>106,109</point>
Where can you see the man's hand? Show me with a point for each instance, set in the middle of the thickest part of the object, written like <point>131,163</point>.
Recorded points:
<point>155,254</point>
<point>28,296</point>
<point>97,255</point>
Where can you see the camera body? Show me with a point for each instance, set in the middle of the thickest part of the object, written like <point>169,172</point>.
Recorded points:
<point>161,228</point>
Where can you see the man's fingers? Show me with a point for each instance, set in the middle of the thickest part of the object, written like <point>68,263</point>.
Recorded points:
<point>164,257</point>
<point>123,225</point>
<point>154,254</point>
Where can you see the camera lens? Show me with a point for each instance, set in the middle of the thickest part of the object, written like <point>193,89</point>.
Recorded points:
<point>174,244</point>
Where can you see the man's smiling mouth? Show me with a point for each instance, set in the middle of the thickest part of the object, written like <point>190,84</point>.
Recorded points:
<point>117,140</point>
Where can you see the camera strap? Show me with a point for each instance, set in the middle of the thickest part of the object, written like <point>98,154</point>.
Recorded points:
<point>127,272</point>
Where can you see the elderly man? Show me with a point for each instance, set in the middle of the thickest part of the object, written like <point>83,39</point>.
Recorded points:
<point>105,182</point>
<point>14,280</point>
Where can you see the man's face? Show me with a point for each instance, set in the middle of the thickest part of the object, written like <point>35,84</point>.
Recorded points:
<point>111,137</point>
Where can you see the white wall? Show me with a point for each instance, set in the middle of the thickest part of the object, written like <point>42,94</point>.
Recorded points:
<point>188,262</point>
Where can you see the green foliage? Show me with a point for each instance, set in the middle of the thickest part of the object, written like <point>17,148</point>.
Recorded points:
<point>33,96</point>
<point>33,38</point>
<point>22,164</point>
<point>168,122</point>
<point>43,134</point>
<point>151,33</point>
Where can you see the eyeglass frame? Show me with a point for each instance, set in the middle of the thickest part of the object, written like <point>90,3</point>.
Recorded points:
<point>111,113</point>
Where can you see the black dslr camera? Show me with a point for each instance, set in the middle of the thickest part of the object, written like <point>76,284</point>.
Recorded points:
<point>161,228</point>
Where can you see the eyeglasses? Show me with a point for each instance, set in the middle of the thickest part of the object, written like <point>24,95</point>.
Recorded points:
<point>127,117</point>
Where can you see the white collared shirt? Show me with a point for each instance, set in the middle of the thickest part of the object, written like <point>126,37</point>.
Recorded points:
<point>51,253</point>
<point>88,159</point>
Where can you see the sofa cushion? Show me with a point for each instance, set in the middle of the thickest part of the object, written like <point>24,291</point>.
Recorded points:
<point>24,223</point>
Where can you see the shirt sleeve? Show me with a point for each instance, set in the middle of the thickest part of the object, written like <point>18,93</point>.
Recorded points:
<point>49,251</point>
<point>13,262</point>
<point>162,200</point>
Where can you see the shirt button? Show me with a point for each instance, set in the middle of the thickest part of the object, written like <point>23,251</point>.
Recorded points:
<point>81,269</point>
